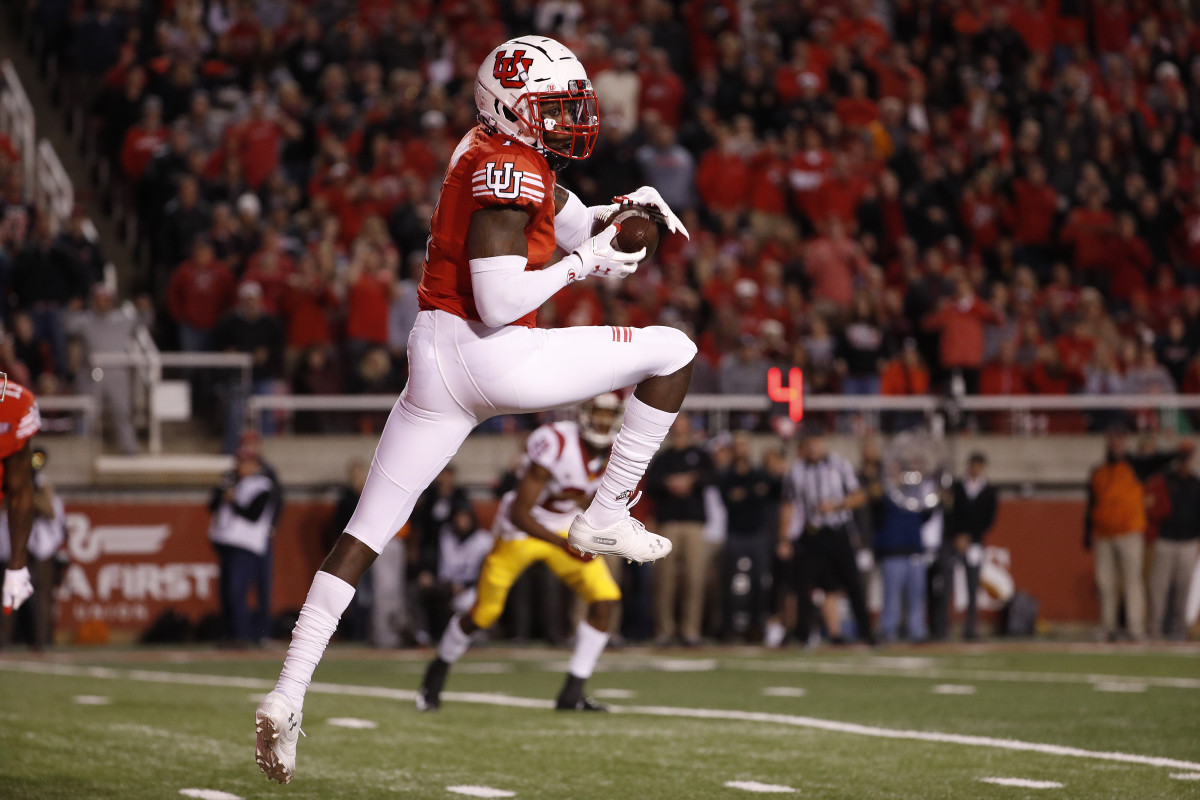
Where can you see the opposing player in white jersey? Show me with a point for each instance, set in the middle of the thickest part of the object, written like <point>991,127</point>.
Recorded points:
<point>475,352</point>
<point>560,473</point>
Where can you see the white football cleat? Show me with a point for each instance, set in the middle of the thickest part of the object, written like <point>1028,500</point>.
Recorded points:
<point>626,538</point>
<point>277,723</point>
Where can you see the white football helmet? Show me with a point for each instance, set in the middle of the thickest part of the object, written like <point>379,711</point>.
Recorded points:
<point>594,428</point>
<point>533,86</point>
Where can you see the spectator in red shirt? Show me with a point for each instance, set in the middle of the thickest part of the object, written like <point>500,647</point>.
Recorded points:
<point>270,268</point>
<point>243,36</point>
<point>1110,20</point>
<point>961,322</point>
<point>1035,204</point>
<point>838,195</point>
<point>1088,229</point>
<point>857,110</point>
<point>723,177</point>
<point>307,302</point>
<point>1035,25</point>
<point>256,141</point>
<point>1004,375</point>
<point>833,261</point>
<point>200,292</point>
<point>662,90</point>
<point>1075,348</point>
<point>806,68</point>
<point>370,283</point>
<point>981,211</point>
<point>143,140</point>
<point>1130,260</point>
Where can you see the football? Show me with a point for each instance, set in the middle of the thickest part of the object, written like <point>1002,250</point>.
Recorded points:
<point>638,230</point>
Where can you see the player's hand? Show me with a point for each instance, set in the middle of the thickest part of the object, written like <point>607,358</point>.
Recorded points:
<point>578,555</point>
<point>649,198</point>
<point>601,259</point>
<point>18,587</point>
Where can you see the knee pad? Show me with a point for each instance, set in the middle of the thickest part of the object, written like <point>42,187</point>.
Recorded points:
<point>677,349</point>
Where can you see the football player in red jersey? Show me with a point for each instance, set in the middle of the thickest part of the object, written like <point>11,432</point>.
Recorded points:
<point>475,352</point>
<point>19,421</point>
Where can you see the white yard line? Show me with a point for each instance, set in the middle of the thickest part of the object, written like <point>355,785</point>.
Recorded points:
<point>480,791</point>
<point>1185,776</point>
<point>1022,783</point>
<point>763,788</point>
<point>208,794</point>
<point>833,726</point>
<point>952,688</point>
<point>1120,687</point>
<point>941,673</point>
<point>353,723</point>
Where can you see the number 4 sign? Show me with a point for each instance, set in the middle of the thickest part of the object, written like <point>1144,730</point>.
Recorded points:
<point>791,393</point>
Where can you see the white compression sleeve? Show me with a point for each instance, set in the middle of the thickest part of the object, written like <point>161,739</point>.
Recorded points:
<point>574,225</point>
<point>505,291</point>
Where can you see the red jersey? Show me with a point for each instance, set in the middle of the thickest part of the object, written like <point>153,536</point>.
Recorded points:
<point>486,171</point>
<point>19,420</point>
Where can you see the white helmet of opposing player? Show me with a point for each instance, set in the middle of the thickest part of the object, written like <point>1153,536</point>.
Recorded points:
<point>600,419</point>
<point>534,90</point>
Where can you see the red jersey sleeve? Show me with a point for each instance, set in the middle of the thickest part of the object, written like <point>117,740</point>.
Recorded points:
<point>509,179</point>
<point>19,419</point>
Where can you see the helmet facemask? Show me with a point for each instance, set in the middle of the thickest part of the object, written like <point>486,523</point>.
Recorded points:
<point>600,419</point>
<point>559,125</point>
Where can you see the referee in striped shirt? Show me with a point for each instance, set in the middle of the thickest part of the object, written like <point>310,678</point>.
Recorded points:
<point>820,493</point>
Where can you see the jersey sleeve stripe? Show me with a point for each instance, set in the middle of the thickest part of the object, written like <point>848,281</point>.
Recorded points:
<point>481,183</point>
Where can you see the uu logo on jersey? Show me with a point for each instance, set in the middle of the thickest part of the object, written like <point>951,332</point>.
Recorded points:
<point>504,182</point>
<point>512,70</point>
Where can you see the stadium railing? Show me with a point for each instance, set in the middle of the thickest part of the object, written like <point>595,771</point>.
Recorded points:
<point>17,119</point>
<point>160,399</point>
<point>720,408</point>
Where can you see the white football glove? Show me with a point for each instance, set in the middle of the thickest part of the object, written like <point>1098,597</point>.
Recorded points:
<point>18,587</point>
<point>649,197</point>
<point>599,259</point>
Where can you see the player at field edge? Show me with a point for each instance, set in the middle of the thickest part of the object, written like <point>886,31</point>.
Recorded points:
<point>19,421</point>
<point>475,352</point>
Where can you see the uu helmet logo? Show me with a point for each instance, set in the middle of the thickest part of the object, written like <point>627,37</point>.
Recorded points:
<point>512,70</point>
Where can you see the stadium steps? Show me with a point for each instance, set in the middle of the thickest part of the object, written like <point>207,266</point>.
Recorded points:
<point>51,125</point>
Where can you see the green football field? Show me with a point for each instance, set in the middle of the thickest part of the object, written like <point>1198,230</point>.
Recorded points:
<point>1043,720</point>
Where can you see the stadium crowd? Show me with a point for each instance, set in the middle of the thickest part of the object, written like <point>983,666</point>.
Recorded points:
<point>887,194</point>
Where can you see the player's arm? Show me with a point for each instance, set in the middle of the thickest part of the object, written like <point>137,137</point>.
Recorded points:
<point>530,488</point>
<point>498,252</point>
<point>18,491</point>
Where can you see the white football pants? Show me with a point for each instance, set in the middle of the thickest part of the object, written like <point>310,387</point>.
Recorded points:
<point>461,373</point>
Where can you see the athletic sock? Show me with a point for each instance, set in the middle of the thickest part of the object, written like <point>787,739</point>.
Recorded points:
<point>589,644</point>
<point>435,678</point>
<point>454,642</point>
<point>571,694</point>
<point>642,431</point>
<point>327,600</point>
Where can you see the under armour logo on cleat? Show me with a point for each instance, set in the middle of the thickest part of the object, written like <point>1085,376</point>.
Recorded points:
<point>602,540</point>
<point>624,495</point>
<point>291,720</point>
